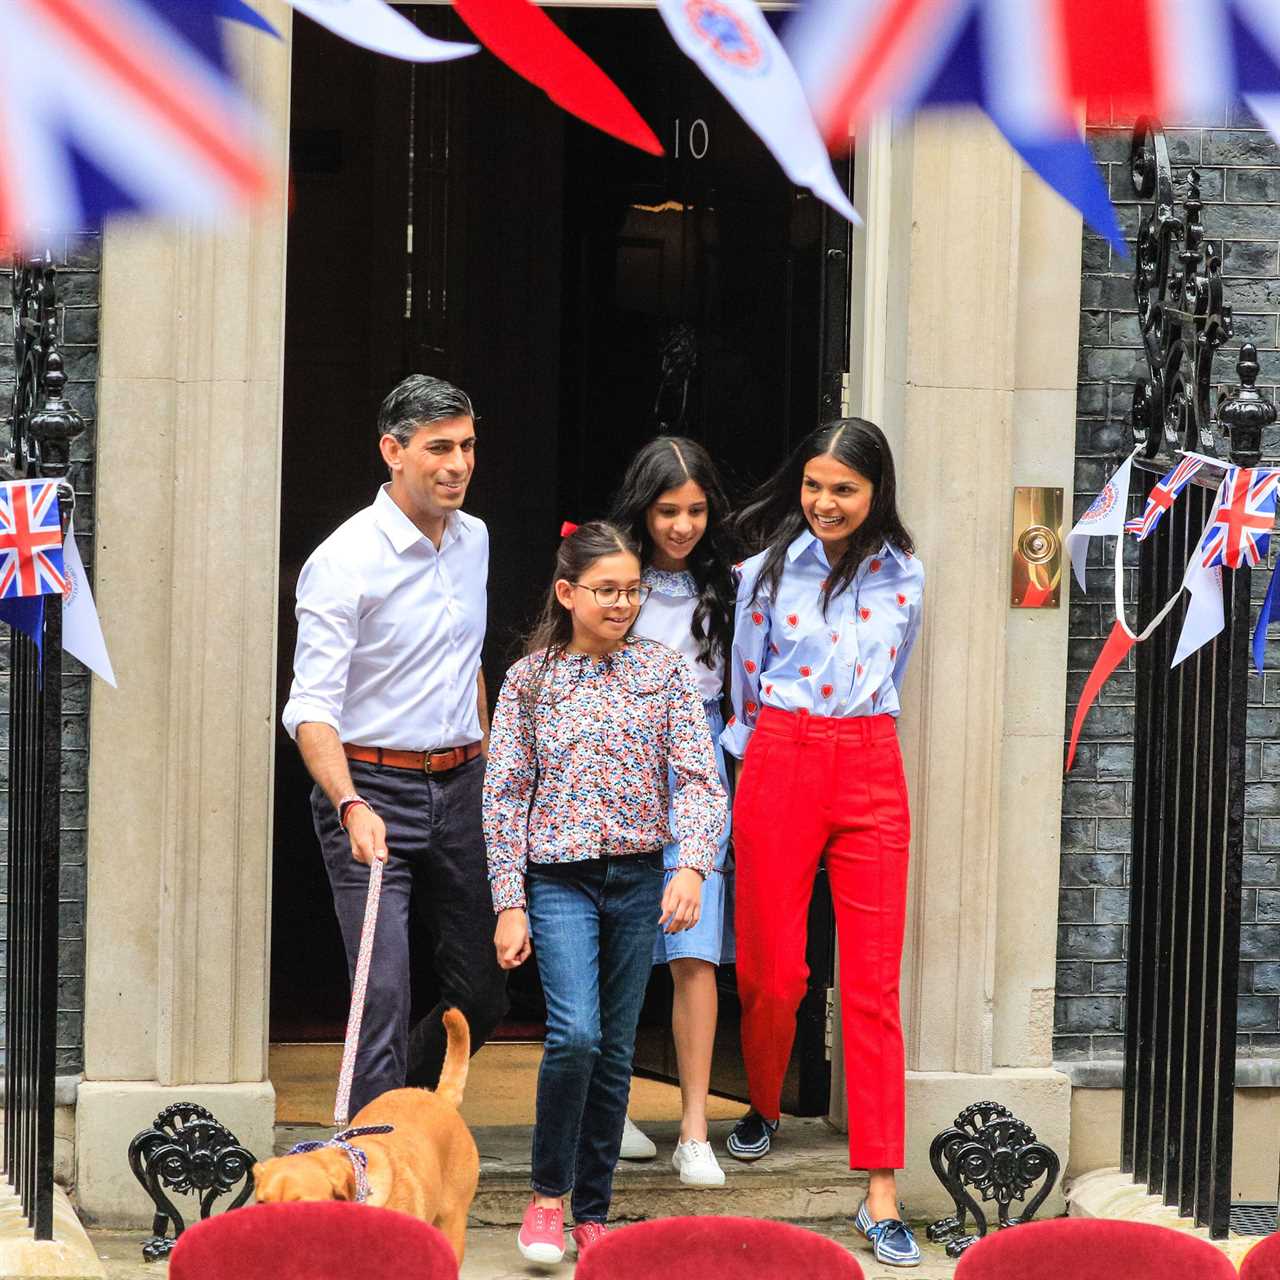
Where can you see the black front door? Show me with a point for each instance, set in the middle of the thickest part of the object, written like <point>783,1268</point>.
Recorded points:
<point>449,219</point>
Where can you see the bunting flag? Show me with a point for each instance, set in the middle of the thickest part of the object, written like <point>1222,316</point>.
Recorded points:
<point>1066,165</point>
<point>120,105</point>
<point>1104,517</point>
<point>1164,493</point>
<point>30,539</point>
<point>1120,641</point>
<point>1030,64</point>
<point>81,629</point>
<point>1270,613</point>
<point>375,25</point>
<point>26,614</point>
<point>1239,529</point>
<point>737,51</point>
<point>239,11</point>
<point>1204,618</point>
<point>530,43</point>
<point>1114,652</point>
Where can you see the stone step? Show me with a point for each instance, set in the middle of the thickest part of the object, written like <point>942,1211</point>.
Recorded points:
<point>805,1177</point>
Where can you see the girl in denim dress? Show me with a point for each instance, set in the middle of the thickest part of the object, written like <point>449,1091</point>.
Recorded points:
<point>672,503</point>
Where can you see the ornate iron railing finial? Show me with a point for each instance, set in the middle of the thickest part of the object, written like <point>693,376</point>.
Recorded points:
<point>41,423</point>
<point>1181,312</point>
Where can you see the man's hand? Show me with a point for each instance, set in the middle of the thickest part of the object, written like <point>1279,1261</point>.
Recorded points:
<point>511,938</point>
<point>682,901</point>
<point>368,834</point>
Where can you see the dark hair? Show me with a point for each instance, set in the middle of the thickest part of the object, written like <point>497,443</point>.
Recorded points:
<point>666,463</point>
<point>772,517</point>
<point>578,552</point>
<point>418,400</point>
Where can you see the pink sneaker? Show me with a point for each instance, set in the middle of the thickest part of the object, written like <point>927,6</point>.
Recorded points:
<point>586,1235</point>
<point>541,1237</point>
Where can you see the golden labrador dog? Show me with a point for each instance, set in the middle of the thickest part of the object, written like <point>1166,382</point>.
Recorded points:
<point>427,1165</point>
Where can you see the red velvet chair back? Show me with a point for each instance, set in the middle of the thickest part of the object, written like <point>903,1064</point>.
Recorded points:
<point>1262,1262</point>
<point>723,1248</point>
<point>331,1240</point>
<point>1091,1249</point>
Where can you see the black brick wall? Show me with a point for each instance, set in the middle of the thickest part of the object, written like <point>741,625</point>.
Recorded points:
<point>79,259</point>
<point>1239,166</point>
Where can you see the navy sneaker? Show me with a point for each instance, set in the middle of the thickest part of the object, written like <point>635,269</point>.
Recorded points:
<point>892,1240</point>
<point>751,1137</point>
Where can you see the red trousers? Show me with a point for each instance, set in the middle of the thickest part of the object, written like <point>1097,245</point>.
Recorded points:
<point>813,788</point>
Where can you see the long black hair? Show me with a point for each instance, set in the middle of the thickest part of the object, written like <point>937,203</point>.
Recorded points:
<point>665,463</point>
<point>773,518</point>
<point>553,629</point>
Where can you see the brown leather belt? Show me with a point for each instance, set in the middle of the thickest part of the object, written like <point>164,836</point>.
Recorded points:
<point>431,762</point>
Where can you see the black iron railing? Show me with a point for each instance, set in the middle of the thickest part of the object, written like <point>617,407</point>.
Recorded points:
<point>1184,910</point>
<point>42,426</point>
<point>1188,787</point>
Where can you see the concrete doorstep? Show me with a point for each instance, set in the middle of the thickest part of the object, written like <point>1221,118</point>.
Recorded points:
<point>805,1178</point>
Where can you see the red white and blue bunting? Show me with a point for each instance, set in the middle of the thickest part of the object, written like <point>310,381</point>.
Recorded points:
<point>1236,535</point>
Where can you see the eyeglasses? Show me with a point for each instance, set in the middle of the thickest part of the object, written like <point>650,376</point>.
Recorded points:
<point>607,597</point>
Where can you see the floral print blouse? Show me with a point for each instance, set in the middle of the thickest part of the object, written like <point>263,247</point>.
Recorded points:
<point>582,772</point>
<point>850,662</point>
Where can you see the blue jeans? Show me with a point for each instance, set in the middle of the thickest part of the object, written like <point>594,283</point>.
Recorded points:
<point>592,927</point>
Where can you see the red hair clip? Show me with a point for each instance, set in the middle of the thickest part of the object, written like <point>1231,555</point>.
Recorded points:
<point>567,528</point>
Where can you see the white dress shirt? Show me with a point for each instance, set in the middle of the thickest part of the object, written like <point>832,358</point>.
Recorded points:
<point>667,617</point>
<point>390,631</point>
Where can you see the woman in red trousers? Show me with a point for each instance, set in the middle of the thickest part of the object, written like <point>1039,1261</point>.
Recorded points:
<point>826,617</point>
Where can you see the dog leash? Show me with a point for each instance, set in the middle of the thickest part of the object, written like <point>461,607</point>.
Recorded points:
<point>359,1158</point>
<point>358,988</point>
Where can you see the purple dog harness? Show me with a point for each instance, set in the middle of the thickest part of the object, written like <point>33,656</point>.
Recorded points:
<point>359,1159</point>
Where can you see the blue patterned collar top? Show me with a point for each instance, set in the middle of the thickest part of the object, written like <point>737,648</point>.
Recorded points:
<point>786,654</point>
<point>582,772</point>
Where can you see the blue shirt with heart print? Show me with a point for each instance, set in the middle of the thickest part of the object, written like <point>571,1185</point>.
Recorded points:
<point>850,662</point>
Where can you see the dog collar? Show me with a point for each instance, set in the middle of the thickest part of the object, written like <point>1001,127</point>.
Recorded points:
<point>359,1159</point>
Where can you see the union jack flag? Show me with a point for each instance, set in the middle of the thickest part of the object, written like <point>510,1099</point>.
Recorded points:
<point>1029,64</point>
<point>120,104</point>
<point>1240,530</point>
<point>30,540</point>
<point>1163,495</point>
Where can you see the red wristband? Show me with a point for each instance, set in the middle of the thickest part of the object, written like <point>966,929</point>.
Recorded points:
<point>347,805</point>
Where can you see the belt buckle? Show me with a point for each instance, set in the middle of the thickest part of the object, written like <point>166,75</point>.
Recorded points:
<point>428,766</point>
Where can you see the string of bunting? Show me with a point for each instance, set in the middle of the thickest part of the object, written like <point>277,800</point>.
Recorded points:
<point>1237,533</point>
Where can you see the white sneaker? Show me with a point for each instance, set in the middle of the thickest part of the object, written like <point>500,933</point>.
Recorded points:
<point>635,1146</point>
<point>696,1164</point>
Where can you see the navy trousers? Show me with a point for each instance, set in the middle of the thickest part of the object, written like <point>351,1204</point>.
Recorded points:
<point>436,860</point>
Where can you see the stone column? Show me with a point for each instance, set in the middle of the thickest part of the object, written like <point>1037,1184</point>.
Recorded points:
<point>181,754</point>
<point>965,353</point>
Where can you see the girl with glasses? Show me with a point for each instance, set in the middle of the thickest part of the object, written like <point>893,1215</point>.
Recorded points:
<point>672,503</point>
<point>595,738</point>
<point>827,613</point>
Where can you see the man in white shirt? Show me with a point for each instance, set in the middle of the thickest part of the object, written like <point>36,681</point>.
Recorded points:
<point>389,712</point>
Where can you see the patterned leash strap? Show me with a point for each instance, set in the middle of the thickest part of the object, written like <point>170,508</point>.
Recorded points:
<point>358,988</point>
<point>359,1159</point>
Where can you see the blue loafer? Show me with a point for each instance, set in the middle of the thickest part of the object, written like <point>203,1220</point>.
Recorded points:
<point>892,1241</point>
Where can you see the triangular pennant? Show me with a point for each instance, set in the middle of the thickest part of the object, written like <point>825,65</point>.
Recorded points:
<point>1067,165</point>
<point>737,51</point>
<point>375,25</point>
<point>81,629</point>
<point>1270,613</point>
<point>1118,644</point>
<point>530,43</point>
<point>1105,515</point>
<point>1204,618</point>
